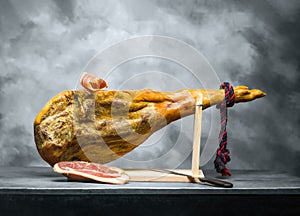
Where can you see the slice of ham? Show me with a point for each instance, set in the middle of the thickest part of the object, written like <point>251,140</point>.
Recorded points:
<point>84,171</point>
<point>91,82</point>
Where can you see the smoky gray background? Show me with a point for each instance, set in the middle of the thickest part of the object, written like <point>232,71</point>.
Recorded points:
<point>46,44</point>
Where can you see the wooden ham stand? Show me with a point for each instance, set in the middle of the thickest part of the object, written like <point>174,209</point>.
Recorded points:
<point>150,175</point>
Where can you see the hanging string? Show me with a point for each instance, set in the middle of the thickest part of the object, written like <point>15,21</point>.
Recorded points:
<point>223,154</point>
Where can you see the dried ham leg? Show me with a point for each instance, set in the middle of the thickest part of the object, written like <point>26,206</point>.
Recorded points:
<point>84,171</point>
<point>101,126</point>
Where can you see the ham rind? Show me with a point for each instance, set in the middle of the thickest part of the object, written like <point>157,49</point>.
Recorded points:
<point>84,171</point>
<point>102,126</point>
<point>92,83</point>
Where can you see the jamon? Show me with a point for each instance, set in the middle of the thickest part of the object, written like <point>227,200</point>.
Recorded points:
<point>84,171</point>
<point>91,82</point>
<point>103,125</point>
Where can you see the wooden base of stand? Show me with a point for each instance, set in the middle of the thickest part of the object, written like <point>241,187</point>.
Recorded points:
<point>144,175</point>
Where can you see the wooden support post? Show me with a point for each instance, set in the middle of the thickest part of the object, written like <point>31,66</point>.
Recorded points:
<point>197,136</point>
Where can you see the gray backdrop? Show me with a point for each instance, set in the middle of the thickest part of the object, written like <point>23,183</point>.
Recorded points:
<point>46,44</point>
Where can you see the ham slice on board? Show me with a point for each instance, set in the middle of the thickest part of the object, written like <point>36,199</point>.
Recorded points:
<point>84,171</point>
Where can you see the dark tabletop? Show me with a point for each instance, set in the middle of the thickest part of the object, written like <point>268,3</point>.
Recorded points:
<point>44,180</point>
<point>23,189</point>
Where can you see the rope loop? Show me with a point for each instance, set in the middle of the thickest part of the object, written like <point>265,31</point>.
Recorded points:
<point>223,154</point>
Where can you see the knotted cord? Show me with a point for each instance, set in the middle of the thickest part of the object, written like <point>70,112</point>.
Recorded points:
<point>223,154</point>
